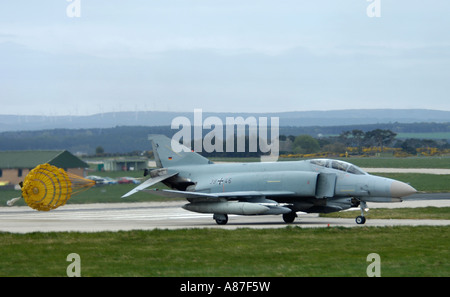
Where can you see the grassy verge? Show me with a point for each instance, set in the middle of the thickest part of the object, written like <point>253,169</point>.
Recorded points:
<point>429,183</point>
<point>419,213</point>
<point>412,162</point>
<point>391,162</point>
<point>293,251</point>
<point>370,162</point>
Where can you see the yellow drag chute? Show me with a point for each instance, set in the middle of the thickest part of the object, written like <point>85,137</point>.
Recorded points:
<point>47,187</point>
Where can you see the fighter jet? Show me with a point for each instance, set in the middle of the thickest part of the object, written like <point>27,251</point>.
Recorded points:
<point>260,188</point>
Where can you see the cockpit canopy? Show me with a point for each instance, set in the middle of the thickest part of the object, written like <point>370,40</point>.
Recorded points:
<point>339,165</point>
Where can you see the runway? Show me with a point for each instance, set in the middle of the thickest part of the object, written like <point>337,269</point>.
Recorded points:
<point>170,215</point>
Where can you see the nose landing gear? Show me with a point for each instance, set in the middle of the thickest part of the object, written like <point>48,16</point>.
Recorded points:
<point>362,219</point>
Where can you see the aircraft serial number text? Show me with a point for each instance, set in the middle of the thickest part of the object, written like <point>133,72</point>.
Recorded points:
<point>220,181</point>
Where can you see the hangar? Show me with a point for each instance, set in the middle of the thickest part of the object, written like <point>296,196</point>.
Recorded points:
<point>15,165</point>
<point>125,164</point>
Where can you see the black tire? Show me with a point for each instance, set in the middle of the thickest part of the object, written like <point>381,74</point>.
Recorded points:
<point>289,217</point>
<point>360,220</point>
<point>223,221</point>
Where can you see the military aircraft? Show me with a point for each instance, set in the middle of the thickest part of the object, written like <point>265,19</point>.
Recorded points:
<point>260,188</point>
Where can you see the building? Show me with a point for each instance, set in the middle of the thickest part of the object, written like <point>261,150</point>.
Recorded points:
<point>126,164</point>
<point>15,165</point>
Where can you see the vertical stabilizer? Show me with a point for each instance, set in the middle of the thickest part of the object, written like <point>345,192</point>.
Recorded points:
<point>169,153</point>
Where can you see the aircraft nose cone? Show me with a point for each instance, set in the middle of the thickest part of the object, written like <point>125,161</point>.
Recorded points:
<point>399,189</point>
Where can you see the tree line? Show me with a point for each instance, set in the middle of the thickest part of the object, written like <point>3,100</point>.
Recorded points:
<point>357,142</point>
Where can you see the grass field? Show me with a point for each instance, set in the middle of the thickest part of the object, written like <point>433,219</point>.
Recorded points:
<point>419,213</point>
<point>112,193</point>
<point>422,182</point>
<point>424,135</point>
<point>404,251</point>
<point>97,194</point>
<point>411,162</point>
<point>388,162</point>
<point>429,183</point>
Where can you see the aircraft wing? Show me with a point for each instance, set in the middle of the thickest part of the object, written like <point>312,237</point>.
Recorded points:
<point>149,182</point>
<point>217,196</point>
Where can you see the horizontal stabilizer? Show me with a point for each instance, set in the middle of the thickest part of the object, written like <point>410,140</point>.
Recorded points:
<point>149,182</point>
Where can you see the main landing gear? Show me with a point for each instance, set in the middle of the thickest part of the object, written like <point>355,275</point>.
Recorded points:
<point>362,219</point>
<point>289,217</point>
<point>221,219</point>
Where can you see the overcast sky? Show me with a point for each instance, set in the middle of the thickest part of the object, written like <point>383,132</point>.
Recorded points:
<point>234,56</point>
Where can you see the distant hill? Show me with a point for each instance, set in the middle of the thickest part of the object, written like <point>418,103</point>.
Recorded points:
<point>161,118</point>
<point>124,139</point>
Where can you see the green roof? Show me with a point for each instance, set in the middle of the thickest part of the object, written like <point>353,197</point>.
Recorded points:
<point>30,159</point>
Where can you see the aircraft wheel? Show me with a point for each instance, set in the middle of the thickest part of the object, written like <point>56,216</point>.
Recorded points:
<point>360,220</point>
<point>289,217</point>
<point>221,219</point>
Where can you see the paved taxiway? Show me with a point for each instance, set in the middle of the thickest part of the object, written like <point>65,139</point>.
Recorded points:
<point>170,215</point>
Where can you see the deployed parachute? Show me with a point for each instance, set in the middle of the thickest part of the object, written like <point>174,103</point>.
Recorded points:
<point>47,187</point>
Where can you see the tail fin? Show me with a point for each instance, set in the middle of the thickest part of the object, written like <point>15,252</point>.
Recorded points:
<point>170,153</point>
